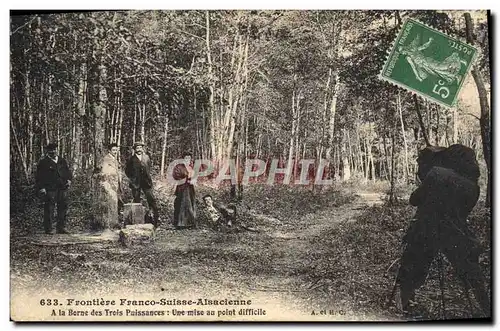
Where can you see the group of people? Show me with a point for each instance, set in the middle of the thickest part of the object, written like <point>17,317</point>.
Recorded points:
<point>53,178</point>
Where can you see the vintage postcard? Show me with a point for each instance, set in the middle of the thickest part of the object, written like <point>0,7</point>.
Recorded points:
<point>263,165</point>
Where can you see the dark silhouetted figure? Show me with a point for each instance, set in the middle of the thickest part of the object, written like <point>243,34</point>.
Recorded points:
<point>53,179</point>
<point>447,194</point>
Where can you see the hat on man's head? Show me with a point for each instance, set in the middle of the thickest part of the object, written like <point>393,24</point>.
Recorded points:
<point>111,145</point>
<point>138,143</point>
<point>51,147</point>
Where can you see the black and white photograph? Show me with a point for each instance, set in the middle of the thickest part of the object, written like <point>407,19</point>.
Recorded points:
<point>250,165</point>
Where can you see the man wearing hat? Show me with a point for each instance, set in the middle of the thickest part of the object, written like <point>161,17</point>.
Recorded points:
<point>138,171</point>
<point>53,179</point>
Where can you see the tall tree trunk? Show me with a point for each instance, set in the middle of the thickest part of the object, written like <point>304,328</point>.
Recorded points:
<point>484,120</point>
<point>211,103</point>
<point>367,158</point>
<point>164,147</point>
<point>29,110</point>
<point>351,156</point>
<point>227,126</point>
<point>446,136</point>
<point>48,109</point>
<point>101,201</point>
<point>246,136</point>
<point>359,151</point>
<point>295,106</point>
<point>142,113</point>
<point>259,146</point>
<point>134,132</point>
<point>204,137</point>
<point>241,77</point>
<point>403,133</point>
<point>455,125</point>
<point>120,125</point>
<point>325,116</point>
<point>18,146</point>
<point>436,131</point>
<point>371,167</point>
<point>58,134</point>
<point>100,115</point>
<point>393,169</point>
<point>383,169</point>
<point>346,169</point>
<point>421,121</point>
<point>386,157</point>
<point>80,113</point>
<point>331,118</point>
<point>429,121</point>
<point>297,145</point>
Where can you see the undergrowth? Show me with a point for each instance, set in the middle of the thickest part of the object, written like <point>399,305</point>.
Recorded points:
<point>361,260</point>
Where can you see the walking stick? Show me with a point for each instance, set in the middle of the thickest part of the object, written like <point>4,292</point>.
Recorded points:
<point>466,285</point>
<point>441,283</point>
<point>395,285</point>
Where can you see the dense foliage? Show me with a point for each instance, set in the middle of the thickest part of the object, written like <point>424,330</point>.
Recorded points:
<point>287,84</point>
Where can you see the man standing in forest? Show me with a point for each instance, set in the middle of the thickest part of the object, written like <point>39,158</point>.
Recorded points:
<point>138,170</point>
<point>53,179</point>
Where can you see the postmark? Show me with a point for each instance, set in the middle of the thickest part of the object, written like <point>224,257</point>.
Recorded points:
<point>428,62</point>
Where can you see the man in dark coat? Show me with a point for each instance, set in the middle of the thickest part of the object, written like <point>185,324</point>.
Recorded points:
<point>138,171</point>
<point>53,179</point>
<point>447,194</point>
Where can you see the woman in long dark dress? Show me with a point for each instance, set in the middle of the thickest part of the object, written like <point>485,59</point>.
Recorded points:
<point>184,203</point>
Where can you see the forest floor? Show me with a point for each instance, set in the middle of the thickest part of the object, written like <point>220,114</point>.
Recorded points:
<point>316,256</point>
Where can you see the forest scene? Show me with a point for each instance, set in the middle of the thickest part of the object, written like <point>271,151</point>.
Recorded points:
<point>240,85</point>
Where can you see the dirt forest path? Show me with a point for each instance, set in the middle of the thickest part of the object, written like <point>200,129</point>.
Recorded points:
<point>270,267</point>
<point>283,287</point>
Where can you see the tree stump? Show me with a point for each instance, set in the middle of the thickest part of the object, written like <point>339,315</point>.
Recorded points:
<point>133,213</point>
<point>136,234</point>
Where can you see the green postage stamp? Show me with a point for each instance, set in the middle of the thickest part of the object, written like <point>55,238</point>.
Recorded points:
<point>429,63</point>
